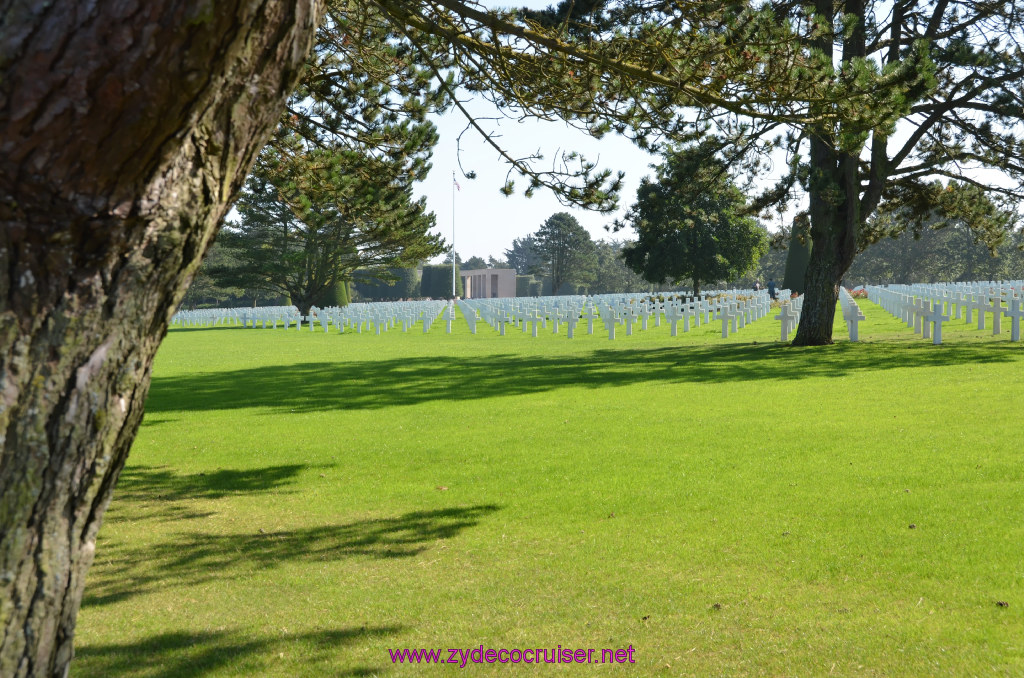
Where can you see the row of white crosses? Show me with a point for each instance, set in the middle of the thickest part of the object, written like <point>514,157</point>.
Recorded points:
<point>527,314</point>
<point>925,307</point>
<point>733,307</point>
<point>737,312</point>
<point>629,311</point>
<point>555,313</point>
<point>384,316</point>
<point>918,313</point>
<point>381,316</point>
<point>244,317</point>
<point>523,313</point>
<point>851,312</point>
<point>469,313</point>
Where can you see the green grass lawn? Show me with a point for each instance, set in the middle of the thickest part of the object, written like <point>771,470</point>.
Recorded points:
<point>297,503</point>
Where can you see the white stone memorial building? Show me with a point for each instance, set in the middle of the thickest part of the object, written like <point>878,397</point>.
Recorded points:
<point>489,283</point>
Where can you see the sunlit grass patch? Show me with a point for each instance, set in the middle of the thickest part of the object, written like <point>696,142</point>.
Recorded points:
<point>297,503</point>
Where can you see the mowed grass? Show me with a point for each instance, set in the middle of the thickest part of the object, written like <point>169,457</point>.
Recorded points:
<point>298,503</point>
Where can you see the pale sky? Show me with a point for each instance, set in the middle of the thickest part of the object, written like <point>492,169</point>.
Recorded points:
<point>486,222</point>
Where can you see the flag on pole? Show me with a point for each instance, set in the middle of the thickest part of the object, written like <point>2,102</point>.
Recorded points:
<point>456,183</point>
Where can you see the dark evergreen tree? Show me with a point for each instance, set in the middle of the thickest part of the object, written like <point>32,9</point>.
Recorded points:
<point>523,256</point>
<point>390,285</point>
<point>303,245</point>
<point>566,252</point>
<point>942,244</point>
<point>612,275</point>
<point>436,282</point>
<point>772,264</point>
<point>332,193</point>
<point>798,255</point>
<point>523,283</point>
<point>204,290</point>
<point>692,222</point>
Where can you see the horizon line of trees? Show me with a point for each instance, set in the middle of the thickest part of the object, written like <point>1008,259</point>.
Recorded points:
<point>944,252</point>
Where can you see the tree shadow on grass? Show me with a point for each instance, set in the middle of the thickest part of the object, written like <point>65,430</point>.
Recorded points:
<point>180,654</point>
<point>146,483</point>
<point>125,569</point>
<point>159,493</point>
<point>374,384</point>
<point>149,422</point>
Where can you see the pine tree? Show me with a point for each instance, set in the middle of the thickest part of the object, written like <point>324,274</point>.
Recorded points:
<point>691,222</point>
<point>566,251</point>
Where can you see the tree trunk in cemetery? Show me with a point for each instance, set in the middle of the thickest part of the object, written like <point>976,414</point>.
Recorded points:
<point>125,130</point>
<point>834,218</point>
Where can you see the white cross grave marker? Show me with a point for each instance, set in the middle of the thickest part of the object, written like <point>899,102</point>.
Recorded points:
<point>853,316</point>
<point>1014,313</point>
<point>673,315</point>
<point>936,317</point>
<point>590,315</point>
<point>997,312</point>
<point>788,317</point>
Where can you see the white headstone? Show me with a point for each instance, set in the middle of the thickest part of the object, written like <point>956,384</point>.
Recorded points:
<point>936,318</point>
<point>1014,313</point>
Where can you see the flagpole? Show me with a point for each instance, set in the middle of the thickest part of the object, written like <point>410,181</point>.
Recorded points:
<point>453,236</point>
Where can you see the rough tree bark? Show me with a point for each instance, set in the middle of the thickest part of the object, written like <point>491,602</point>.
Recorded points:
<point>125,130</point>
<point>834,221</point>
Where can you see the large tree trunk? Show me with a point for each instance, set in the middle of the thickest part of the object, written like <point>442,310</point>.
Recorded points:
<point>304,304</point>
<point>834,215</point>
<point>821,291</point>
<point>126,130</point>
